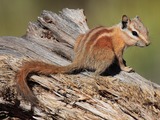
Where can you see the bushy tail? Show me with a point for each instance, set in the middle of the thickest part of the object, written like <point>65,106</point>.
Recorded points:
<point>38,67</point>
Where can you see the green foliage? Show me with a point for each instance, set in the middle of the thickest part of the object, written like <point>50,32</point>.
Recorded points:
<point>15,15</point>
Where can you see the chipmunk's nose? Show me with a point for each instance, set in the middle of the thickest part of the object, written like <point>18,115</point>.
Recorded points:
<point>148,43</point>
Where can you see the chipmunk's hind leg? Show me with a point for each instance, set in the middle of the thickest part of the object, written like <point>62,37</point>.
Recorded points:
<point>104,61</point>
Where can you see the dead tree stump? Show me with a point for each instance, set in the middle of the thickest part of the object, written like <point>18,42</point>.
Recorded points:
<point>117,96</point>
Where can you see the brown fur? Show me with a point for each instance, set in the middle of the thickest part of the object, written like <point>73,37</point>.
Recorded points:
<point>96,50</point>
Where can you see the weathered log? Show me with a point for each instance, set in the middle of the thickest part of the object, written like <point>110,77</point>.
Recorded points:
<point>120,96</point>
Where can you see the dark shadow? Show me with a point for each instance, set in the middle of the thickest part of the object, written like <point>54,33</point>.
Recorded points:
<point>114,69</point>
<point>12,111</point>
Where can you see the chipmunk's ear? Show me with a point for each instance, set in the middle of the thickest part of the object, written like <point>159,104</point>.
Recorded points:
<point>138,18</point>
<point>124,21</point>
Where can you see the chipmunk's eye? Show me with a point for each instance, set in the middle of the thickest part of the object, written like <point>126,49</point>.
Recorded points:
<point>135,33</point>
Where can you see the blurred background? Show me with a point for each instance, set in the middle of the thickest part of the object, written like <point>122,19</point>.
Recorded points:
<point>16,14</point>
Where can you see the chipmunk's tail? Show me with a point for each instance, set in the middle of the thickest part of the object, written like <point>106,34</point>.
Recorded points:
<point>38,67</point>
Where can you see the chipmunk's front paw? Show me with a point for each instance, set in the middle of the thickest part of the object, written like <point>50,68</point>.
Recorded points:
<point>127,69</point>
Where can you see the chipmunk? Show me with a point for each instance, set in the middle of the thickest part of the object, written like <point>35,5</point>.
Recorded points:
<point>97,49</point>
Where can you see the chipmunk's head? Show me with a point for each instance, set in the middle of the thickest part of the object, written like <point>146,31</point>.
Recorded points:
<point>135,33</point>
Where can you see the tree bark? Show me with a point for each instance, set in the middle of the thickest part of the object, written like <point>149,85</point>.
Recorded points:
<point>116,95</point>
